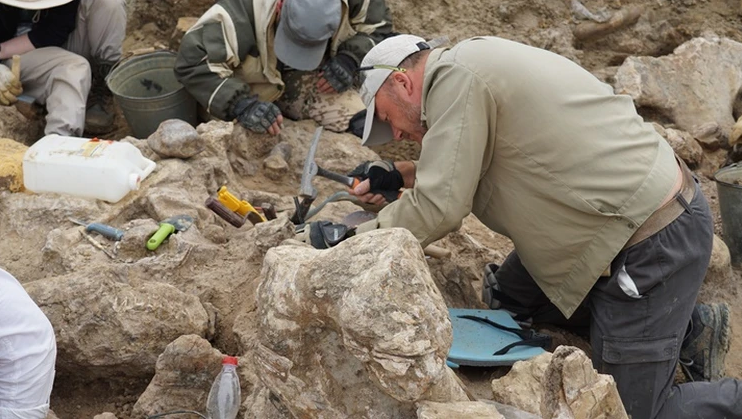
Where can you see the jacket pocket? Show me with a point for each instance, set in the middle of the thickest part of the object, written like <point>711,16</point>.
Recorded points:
<point>639,351</point>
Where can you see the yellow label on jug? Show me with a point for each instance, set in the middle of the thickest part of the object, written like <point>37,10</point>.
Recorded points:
<point>93,147</point>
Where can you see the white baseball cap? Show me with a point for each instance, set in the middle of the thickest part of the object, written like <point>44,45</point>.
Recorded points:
<point>378,64</point>
<point>34,4</point>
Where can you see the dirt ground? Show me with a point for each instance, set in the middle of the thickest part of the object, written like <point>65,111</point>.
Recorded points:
<point>664,24</point>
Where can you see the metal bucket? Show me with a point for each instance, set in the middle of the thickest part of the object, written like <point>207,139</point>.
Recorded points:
<point>729,188</point>
<point>146,90</point>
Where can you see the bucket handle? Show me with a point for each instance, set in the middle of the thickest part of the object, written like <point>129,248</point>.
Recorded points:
<point>136,53</point>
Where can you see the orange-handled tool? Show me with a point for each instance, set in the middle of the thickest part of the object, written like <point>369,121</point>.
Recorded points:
<point>352,182</point>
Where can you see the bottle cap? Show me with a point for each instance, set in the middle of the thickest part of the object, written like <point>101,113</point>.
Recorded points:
<point>231,360</point>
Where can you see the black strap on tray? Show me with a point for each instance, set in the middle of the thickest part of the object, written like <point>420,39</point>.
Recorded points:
<point>529,337</point>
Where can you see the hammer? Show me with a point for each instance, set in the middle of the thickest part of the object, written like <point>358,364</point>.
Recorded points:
<point>26,105</point>
<point>311,168</point>
<point>307,192</point>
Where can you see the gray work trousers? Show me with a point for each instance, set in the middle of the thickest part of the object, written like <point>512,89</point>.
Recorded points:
<point>638,317</point>
<point>60,78</point>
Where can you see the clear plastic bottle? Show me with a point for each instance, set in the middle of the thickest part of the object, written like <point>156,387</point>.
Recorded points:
<point>224,398</point>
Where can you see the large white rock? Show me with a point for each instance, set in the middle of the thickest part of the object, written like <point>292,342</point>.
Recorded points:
<point>694,86</point>
<point>359,329</point>
<point>573,389</point>
<point>458,410</point>
<point>107,324</point>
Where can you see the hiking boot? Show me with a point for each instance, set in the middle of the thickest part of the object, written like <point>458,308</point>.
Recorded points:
<point>494,298</point>
<point>707,343</point>
<point>98,117</point>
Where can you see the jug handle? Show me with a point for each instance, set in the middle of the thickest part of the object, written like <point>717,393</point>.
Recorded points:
<point>148,168</point>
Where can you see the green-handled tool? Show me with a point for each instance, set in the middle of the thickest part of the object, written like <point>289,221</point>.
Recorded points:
<point>167,227</point>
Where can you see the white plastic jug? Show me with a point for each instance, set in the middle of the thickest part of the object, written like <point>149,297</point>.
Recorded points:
<point>100,169</point>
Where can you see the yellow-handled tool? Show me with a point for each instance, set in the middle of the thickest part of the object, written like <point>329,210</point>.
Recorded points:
<point>241,207</point>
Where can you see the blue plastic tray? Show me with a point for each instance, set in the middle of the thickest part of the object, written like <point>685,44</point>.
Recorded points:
<point>475,342</point>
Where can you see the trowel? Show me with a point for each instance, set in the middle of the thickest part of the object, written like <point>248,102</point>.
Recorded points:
<point>111,233</point>
<point>167,227</point>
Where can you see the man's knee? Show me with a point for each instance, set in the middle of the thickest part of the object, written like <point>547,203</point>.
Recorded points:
<point>75,70</point>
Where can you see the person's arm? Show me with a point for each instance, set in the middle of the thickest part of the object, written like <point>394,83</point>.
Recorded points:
<point>15,46</point>
<point>210,51</point>
<point>372,20</point>
<point>407,169</point>
<point>461,112</point>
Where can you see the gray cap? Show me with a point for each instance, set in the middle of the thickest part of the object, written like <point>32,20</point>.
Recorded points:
<point>304,29</point>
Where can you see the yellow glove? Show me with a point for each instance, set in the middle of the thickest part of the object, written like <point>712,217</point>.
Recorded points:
<point>10,86</point>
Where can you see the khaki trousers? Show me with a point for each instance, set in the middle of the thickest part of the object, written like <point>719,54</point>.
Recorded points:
<point>301,100</point>
<point>60,78</point>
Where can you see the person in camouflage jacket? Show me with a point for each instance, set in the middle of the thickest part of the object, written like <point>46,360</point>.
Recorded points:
<point>255,61</point>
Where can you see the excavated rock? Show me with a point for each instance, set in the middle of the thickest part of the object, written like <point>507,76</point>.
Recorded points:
<point>176,138</point>
<point>685,146</point>
<point>136,233</point>
<point>246,147</point>
<point>16,126</point>
<point>688,102</point>
<point>183,376</point>
<point>107,324</point>
<point>521,387</point>
<point>459,410</point>
<point>720,266</point>
<point>276,164</point>
<point>709,135</point>
<point>337,339</point>
<point>572,388</point>
<point>263,404</point>
<point>105,415</point>
<point>11,165</point>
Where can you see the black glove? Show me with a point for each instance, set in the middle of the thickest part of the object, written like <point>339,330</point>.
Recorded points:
<point>384,178</point>
<point>323,234</point>
<point>255,115</point>
<point>340,72</point>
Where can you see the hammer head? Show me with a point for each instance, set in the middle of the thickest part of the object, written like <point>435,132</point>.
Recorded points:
<point>306,189</point>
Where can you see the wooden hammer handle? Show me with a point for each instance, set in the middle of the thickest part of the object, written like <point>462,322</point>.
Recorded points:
<point>16,67</point>
<point>437,252</point>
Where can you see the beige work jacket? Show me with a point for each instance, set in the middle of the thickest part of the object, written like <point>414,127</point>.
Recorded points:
<point>540,151</point>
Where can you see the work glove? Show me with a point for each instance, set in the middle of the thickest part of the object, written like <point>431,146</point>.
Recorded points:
<point>255,115</point>
<point>10,86</point>
<point>384,178</point>
<point>340,72</point>
<point>323,234</point>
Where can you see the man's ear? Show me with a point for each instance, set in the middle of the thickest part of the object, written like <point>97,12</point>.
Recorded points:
<point>403,81</point>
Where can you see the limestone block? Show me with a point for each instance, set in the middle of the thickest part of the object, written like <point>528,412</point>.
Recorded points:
<point>689,102</point>
<point>356,329</point>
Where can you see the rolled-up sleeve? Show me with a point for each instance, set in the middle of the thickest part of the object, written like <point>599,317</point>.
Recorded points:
<point>460,112</point>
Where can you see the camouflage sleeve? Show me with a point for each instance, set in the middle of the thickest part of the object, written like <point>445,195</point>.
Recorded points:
<point>210,51</point>
<point>372,19</point>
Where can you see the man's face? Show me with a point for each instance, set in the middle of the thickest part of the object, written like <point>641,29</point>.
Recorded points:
<point>396,106</point>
